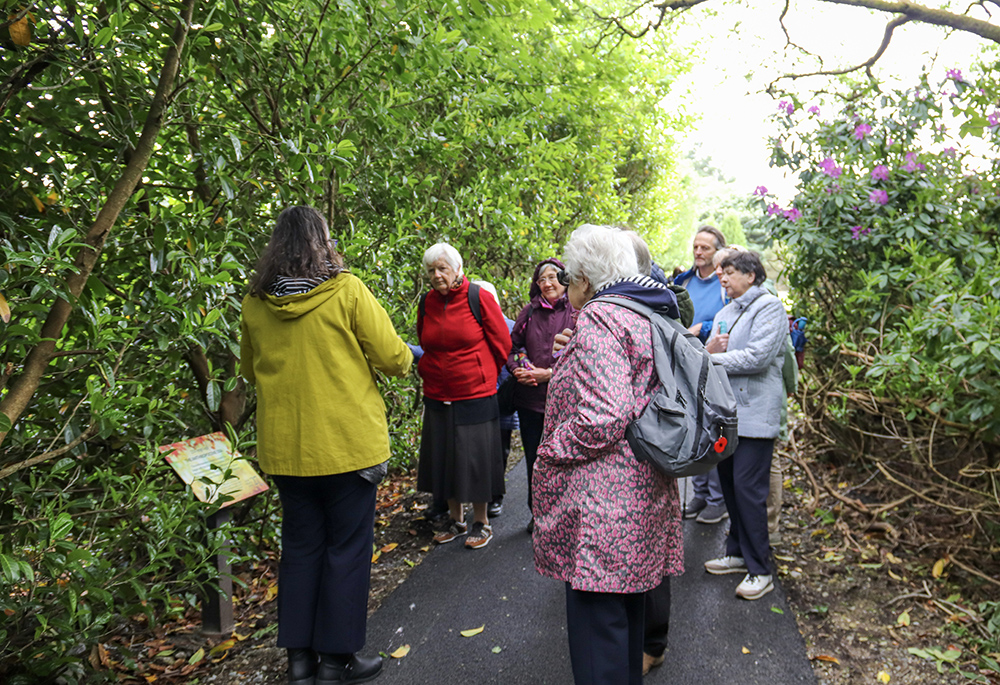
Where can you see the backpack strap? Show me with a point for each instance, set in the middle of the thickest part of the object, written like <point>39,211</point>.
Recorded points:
<point>474,305</point>
<point>664,356</point>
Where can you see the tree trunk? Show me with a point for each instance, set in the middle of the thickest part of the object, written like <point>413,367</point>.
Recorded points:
<point>23,388</point>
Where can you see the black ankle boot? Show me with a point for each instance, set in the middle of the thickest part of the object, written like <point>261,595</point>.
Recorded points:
<point>360,669</point>
<point>302,666</point>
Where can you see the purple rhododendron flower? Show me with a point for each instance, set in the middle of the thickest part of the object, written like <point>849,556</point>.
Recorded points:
<point>760,191</point>
<point>773,209</point>
<point>994,119</point>
<point>858,231</point>
<point>911,163</point>
<point>814,110</point>
<point>861,131</point>
<point>879,196</point>
<point>949,152</point>
<point>880,173</point>
<point>955,74</point>
<point>793,214</point>
<point>830,168</point>
<point>786,107</point>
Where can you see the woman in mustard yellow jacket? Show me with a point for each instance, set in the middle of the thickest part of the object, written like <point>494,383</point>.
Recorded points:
<point>312,338</point>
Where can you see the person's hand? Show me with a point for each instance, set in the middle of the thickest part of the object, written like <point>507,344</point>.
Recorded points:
<point>561,339</point>
<point>525,376</point>
<point>719,343</point>
<point>540,375</point>
<point>696,329</point>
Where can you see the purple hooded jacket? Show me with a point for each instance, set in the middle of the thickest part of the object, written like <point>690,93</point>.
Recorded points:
<point>533,334</point>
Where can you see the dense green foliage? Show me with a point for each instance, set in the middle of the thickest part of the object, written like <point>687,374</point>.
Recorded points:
<point>892,242</point>
<point>894,237</point>
<point>497,126</point>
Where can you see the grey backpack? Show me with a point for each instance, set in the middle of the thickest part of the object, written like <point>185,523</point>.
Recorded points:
<point>690,424</point>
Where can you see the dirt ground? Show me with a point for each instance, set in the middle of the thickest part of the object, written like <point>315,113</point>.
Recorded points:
<point>864,597</point>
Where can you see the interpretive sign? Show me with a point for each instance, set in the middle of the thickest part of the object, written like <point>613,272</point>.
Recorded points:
<point>212,468</point>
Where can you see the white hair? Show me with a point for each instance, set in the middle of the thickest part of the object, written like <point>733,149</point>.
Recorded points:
<point>642,255</point>
<point>602,254</point>
<point>488,287</point>
<point>443,251</point>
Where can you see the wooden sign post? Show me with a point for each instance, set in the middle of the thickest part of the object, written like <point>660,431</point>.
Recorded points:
<point>213,469</point>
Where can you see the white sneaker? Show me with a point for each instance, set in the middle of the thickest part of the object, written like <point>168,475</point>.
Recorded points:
<point>754,587</point>
<point>724,565</point>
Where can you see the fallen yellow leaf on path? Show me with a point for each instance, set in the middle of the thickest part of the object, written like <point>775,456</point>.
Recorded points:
<point>883,677</point>
<point>745,650</point>
<point>388,548</point>
<point>938,569</point>
<point>827,658</point>
<point>401,652</point>
<point>473,631</point>
<point>893,558</point>
<point>221,647</point>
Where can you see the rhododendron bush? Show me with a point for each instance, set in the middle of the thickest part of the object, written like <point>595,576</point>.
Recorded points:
<point>891,247</point>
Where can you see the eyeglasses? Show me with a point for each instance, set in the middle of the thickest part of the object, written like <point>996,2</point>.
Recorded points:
<point>550,278</point>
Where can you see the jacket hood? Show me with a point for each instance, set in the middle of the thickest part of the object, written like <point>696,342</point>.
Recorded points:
<point>535,290</point>
<point>644,289</point>
<point>294,306</point>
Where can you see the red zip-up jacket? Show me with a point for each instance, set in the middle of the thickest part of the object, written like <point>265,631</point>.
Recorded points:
<point>461,358</point>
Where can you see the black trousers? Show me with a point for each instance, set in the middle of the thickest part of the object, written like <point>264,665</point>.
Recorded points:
<point>746,480</point>
<point>531,423</point>
<point>605,637</point>
<point>657,619</point>
<point>327,532</point>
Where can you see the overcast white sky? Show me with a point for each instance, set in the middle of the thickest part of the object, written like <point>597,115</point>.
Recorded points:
<point>727,87</point>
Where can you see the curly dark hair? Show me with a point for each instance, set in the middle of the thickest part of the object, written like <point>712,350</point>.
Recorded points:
<point>299,247</point>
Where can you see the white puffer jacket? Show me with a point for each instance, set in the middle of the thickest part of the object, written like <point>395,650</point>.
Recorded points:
<point>753,359</point>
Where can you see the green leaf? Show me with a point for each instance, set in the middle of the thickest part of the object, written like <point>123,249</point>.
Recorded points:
<point>60,527</point>
<point>212,395</point>
<point>9,567</point>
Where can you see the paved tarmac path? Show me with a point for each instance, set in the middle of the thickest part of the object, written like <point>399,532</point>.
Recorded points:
<point>715,638</point>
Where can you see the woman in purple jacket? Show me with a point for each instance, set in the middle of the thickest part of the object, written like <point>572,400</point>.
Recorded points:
<point>531,359</point>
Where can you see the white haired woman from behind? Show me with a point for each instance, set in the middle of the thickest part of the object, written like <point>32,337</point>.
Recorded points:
<point>606,525</point>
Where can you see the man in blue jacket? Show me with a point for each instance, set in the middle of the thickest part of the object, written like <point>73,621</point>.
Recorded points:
<point>708,298</point>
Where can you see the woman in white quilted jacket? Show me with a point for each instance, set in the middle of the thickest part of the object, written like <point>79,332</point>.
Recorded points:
<point>748,338</point>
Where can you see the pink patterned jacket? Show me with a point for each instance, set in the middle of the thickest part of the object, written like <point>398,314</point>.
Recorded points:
<point>604,522</point>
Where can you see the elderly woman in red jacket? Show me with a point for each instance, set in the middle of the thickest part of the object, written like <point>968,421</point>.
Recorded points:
<point>460,447</point>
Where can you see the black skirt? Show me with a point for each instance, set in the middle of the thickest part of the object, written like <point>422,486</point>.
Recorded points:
<point>461,455</point>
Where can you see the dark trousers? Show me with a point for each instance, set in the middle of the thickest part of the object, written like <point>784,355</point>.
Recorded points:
<point>605,637</point>
<point>531,423</point>
<point>657,619</point>
<point>327,532</point>
<point>746,479</point>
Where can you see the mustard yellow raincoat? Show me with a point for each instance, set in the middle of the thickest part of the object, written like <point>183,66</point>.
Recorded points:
<point>313,357</point>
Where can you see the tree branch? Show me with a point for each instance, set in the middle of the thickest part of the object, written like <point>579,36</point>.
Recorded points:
<point>866,65</point>
<point>45,456</point>
<point>23,388</point>
<point>929,15</point>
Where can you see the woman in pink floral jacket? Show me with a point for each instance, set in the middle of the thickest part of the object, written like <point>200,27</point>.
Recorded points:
<point>605,524</point>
